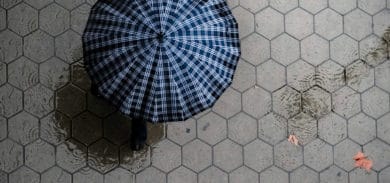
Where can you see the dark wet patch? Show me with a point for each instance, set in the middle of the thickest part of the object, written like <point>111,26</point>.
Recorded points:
<point>316,102</point>
<point>155,133</point>
<point>204,128</point>
<point>382,52</point>
<point>356,73</point>
<point>188,130</point>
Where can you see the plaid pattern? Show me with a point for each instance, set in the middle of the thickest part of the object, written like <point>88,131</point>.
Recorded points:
<point>161,60</point>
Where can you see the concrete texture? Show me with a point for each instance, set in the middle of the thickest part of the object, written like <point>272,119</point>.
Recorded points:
<point>318,69</point>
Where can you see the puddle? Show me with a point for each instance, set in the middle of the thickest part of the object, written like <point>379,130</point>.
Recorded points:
<point>101,137</point>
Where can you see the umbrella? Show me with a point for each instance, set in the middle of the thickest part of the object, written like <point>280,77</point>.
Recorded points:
<point>161,60</point>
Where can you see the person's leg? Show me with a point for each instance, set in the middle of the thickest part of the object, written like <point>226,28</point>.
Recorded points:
<point>138,134</point>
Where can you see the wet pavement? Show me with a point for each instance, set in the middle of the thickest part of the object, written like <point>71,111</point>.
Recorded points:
<point>318,69</point>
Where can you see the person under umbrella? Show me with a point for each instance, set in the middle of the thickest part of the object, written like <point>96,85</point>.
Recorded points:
<point>160,60</point>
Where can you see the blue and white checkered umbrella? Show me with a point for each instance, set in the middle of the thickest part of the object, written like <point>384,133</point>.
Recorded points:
<point>161,60</point>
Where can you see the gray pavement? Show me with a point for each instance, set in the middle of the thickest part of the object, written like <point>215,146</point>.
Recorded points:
<point>318,69</point>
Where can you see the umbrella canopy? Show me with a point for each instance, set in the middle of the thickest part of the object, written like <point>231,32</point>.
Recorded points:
<point>161,60</point>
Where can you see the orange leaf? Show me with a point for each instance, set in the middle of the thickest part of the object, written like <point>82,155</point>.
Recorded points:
<point>362,161</point>
<point>293,139</point>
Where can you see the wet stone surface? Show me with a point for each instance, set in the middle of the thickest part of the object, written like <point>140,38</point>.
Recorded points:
<point>315,69</point>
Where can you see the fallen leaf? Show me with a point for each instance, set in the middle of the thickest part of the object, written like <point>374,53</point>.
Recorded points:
<point>293,139</point>
<point>362,161</point>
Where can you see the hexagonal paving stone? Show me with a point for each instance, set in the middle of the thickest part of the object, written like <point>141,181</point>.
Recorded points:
<point>228,104</point>
<point>285,49</point>
<point>303,126</point>
<point>38,46</point>
<point>286,102</point>
<point>57,175</point>
<point>288,156</point>
<point>71,155</point>
<point>384,175</point>
<point>99,106</point>
<point>316,102</point>
<point>256,102</point>
<point>255,49</point>
<point>3,177</point>
<point>70,4</point>
<point>69,46</point>
<point>373,50</point>
<point>3,19</point>
<point>197,155</point>
<point>80,76</point>
<point>330,76</point>
<point>359,76</point>
<point>245,76</point>
<point>342,153</point>
<point>87,175</point>
<point>375,102</point>
<point>311,152</point>
<point>245,21</point>
<point>227,155</point>
<point>9,3</point>
<point>314,49</point>
<point>39,155</point>
<point>23,128</point>
<point>332,128</point>
<point>361,128</point>
<point>10,46</point>
<point>103,156</point>
<point>299,23</point>
<point>151,174</point>
<point>182,174</point>
<point>328,24</point>
<point>54,19</point>
<point>272,128</point>
<point>70,100</point>
<point>22,19</point>
<point>269,23</point>
<point>231,3</point>
<point>39,100</point>
<point>87,128</point>
<point>284,5</point>
<point>212,128</point>
<point>271,75</point>
<point>344,6</point>
<point>182,132</point>
<point>334,175</point>
<point>313,6</point>
<point>156,132</point>
<point>212,174</point>
<point>253,5</point>
<point>381,22</point>
<point>382,72</point>
<point>23,73</point>
<point>274,174</point>
<point>383,127</point>
<point>54,73</point>
<point>38,4</point>
<point>344,50</point>
<point>362,176</point>
<point>303,174</point>
<point>3,128</point>
<point>119,175</point>
<point>135,161</point>
<point>301,75</point>
<point>24,175</point>
<point>242,128</point>
<point>243,174</point>
<point>79,17</point>
<point>357,24</point>
<point>11,155</point>
<point>258,155</point>
<point>55,127</point>
<point>379,152</point>
<point>3,73</point>
<point>371,7</point>
<point>10,100</point>
<point>166,155</point>
<point>117,128</point>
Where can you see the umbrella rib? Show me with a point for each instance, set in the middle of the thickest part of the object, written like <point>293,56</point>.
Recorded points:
<point>180,18</point>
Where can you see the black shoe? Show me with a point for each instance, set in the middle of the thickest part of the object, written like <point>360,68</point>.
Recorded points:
<point>138,134</point>
<point>95,91</point>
